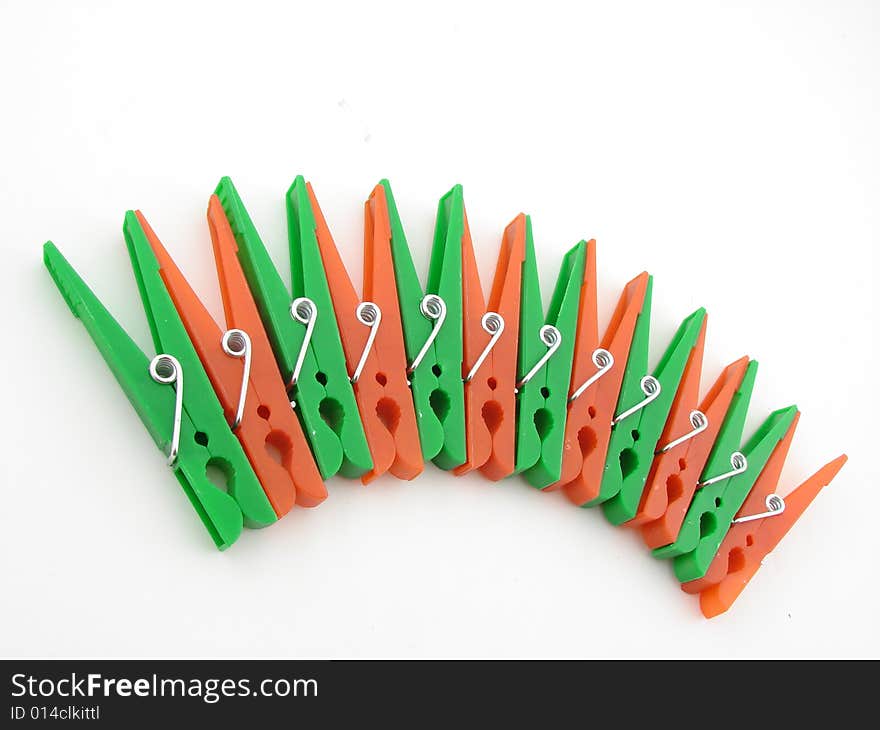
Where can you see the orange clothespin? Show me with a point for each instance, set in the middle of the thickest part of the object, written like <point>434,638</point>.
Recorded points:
<point>372,339</point>
<point>592,400</point>
<point>686,443</point>
<point>491,338</point>
<point>764,519</point>
<point>243,372</point>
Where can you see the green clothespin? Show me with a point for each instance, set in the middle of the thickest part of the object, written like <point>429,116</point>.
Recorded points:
<point>642,410</point>
<point>726,482</point>
<point>546,352</point>
<point>432,329</point>
<point>303,332</point>
<point>172,394</point>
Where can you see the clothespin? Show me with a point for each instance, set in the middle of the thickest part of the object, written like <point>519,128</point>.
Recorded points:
<point>171,393</point>
<point>759,527</point>
<point>763,520</point>
<point>763,490</point>
<point>546,350</point>
<point>720,497</point>
<point>678,466</point>
<point>490,335</point>
<point>432,329</point>
<point>725,459</point>
<point>242,369</point>
<point>642,410</point>
<point>596,377</point>
<point>372,340</point>
<point>303,333</point>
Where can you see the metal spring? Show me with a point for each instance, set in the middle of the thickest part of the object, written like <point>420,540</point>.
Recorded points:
<point>166,369</point>
<point>552,338</point>
<point>775,506</point>
<point>236,343</point>
<point>370,315</point>
<point>604,361</point>
<point>493,324</point>
<point>738,461</point>
<point>432,307</point>
<point>699,423</point>
<point>651,388</point>
<point>304,311</point>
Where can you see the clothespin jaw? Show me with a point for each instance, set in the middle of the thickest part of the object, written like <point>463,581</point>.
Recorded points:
<point>490,335</point>
<point>592,408</point>
<point>714,506</point>
<point>642,414</point>
<point>373,344</point>
<point>246,381</point>
<point>675,475</point>
<point>432,330</point>
<point>154,402</point>
<point>742,559</point>
<point>546,350</point>
<point>328,414</point>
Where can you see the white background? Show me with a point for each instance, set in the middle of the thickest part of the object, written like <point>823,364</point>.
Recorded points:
<point>731,151</point>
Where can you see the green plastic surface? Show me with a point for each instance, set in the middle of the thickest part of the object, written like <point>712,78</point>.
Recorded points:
<point>205,438</point>
<point>635,438</point>
<point>325,400</point>
<point>542,402</point>
<point>438,391</point>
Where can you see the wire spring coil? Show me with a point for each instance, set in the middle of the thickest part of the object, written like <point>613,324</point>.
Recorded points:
<point>432,307</point>
<point>651,388</point>
<point>370,315</point>
<point>166,369</point>
<point>552,339</point>
<point>493,324</point>
<point>236,343</point>
<point>775,506</point>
